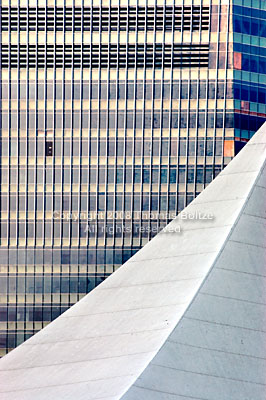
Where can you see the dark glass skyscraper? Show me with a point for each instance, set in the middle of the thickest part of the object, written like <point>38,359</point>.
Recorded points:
<point>114,116</point>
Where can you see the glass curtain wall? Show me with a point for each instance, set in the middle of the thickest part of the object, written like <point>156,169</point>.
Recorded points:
<point>114,116</point>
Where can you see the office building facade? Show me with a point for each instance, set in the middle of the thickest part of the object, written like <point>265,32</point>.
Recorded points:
<point>114,116</point>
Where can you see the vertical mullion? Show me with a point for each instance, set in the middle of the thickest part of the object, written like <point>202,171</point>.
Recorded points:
<point>141,192</point>
<point>132,219</point>
<point>106,138</point>
<point>179,106</point>
<point>143,121</point>
<point>8,127</point>
<point>98,135</point>
<point>200,81</point>
<point>89,128</point>
<point>170,105</point>
<point>72,122</point>
<point>225,82</point>
<point>81,134</point>
<point>216,77</point>
<point>161,108</point>
<point>118,139</point>
<point>152,112</point>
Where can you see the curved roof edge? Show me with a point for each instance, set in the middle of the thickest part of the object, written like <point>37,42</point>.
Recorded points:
<point>167,324</point>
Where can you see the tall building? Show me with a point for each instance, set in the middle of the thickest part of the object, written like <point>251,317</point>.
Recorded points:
<point>193,329</point>
<point>114,116</point>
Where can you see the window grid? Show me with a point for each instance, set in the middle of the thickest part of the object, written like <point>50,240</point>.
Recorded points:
<point>104,56</point>
<point>97,19</point>
<point>106,129</point>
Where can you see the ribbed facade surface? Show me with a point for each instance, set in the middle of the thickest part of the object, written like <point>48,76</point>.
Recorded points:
<point>184,318</point>
<point>114,116</point>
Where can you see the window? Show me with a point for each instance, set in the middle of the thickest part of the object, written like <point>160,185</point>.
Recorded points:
<point>49,148</point>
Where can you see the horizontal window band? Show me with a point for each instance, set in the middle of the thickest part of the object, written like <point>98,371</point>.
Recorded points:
<point>95,56</point>
<point>108,48</point>
<point>168,18</point>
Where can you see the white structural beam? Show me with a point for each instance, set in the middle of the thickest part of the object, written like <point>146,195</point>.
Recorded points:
<point>182,319</point>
